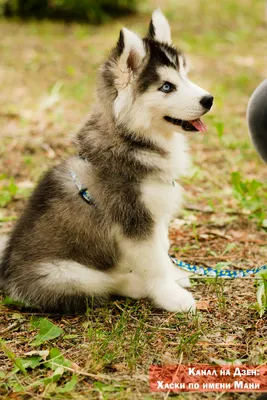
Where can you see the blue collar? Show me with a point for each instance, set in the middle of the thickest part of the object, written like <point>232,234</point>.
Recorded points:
<point>85,195</point>
<point>83,192</point>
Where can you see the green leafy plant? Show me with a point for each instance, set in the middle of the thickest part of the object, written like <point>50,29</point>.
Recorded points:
<point>262,294</point>
<point>8,190</point>
<point>48,331</point>
<point>250,196</point>
<point>57,366</point>
<point>94,11</point>
<point>219,125</point>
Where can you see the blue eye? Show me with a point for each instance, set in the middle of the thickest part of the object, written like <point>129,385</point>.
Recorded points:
<point>167,87</point>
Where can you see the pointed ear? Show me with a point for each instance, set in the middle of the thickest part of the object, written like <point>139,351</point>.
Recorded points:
<point>159,28</point>
<point>131,50</point>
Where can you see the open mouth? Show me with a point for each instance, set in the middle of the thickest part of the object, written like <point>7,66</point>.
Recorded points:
<point>191,126</point>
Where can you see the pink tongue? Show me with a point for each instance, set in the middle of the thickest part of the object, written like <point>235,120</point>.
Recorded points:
<point>199,125</point>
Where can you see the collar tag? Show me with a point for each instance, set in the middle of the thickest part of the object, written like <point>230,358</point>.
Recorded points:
<point>85,195</point>
<point>83,192</point>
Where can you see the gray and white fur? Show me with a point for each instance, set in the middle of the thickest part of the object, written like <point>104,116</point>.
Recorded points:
<point>63,253</point>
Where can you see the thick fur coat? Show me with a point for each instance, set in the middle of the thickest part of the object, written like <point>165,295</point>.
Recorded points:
<point>64,253</point>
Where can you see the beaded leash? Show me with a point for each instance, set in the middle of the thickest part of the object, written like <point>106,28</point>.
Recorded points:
<point>202,271</point>
<point>220,273</point>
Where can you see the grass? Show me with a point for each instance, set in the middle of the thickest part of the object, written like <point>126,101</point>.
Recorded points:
<point>48,73</point>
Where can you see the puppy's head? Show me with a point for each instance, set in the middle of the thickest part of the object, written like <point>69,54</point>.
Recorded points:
<point>146,80</point>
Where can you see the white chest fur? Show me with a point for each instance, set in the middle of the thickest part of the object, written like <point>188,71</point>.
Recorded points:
<point>159,195</point>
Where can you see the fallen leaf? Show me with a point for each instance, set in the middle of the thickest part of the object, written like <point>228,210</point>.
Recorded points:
<point>203,305</point>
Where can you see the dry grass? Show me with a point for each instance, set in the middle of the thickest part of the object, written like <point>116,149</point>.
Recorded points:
<point>47,75</point>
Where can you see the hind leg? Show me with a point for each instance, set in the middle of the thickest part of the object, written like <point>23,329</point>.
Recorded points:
<point>129,285</point>
<point>60,286</point>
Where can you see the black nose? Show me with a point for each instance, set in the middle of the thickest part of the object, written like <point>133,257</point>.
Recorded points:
<point>207,101</point>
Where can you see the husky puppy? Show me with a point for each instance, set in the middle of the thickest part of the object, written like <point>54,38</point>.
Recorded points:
<point>69,249</point>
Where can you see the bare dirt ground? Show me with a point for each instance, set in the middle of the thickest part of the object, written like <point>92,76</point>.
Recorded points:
<point>48,73</point>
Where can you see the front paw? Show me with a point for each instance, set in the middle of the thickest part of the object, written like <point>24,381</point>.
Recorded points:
<point>181,277</point>
<point>174,298</point>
